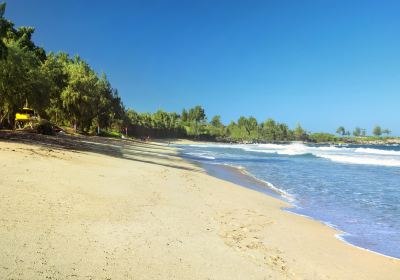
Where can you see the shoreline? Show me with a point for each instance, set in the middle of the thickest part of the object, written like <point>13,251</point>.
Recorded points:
<point>273,191</point>
<point>144,212</point>
<point>341,233</point>
<point>267,188</point>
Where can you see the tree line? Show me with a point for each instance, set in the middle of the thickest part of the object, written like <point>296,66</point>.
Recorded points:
<point>67,91</point>
<point>195,124</point>
<point>362,132</point>
<point>60,88</point>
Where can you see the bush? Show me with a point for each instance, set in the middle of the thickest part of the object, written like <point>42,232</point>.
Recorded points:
<point>45,127</point>
<point>110,134</point>
<point>322,137</point>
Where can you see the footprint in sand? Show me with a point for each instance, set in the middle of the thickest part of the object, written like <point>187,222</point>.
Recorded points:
<point>243,230</point>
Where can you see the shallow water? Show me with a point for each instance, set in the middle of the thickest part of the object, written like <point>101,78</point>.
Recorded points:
<point>353,188</point>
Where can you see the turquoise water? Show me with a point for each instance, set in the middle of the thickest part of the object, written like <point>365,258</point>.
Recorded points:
<point>353,188</point>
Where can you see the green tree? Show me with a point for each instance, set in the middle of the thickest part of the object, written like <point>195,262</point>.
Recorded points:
<point>357,132</point>
<point>341,131</point>
<point>249,124</point>
<point>21,75</point>
<point>196,120</point>
<point>216,127</point>
<point>146,120</point>
<point>270,130</point>
<point>216,121</point>
<point>79,96</point>
<point>3,30</point>
<point>133,117</point>
<point>282,132</point>
<point>67,91</point>
<point>23,35</point>
<point>53,68</point>
<point>197,114</point>
<point>161,120</point>
<point>299,133</point>
<point>386,131</point>
<point>377,131</point>
<point>184,115</point>
<point>20,79</point>
<point>105,105</point>
<point>235,132</point>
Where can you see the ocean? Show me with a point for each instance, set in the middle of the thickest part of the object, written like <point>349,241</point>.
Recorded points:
<point>355,189</point>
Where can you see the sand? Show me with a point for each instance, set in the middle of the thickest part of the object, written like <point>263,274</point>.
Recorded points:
<point>105,209</point>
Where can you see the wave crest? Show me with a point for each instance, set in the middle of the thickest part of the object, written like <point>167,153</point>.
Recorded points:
<point>348,155</point>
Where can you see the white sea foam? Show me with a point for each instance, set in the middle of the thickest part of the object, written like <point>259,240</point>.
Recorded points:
<point>201,155</point>
<point>340,154</point>
<point>371,204</point>
<point>271,186</point>
<point>363,160</point>
<point>377,151</point>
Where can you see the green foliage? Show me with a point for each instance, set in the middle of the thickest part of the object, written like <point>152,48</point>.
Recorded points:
<point>79,96</point>
<point>272,131</point>
<point>377,131</point>
<point>185,115</point>
<point>322,137</point>
<point>247,129</point>
<point>159,124</point>
<point>66,91</point>
<point>3,30</point>
<point>196,114</point>
<point>249,125</point>
<point>299,133</point>
<point>341,131</point>
<point>269,130</point>
<point>357,132</point>
<point>21,80</point>
<point>216,121</point>
<point>216,128</point>
<point>194,121</point>
<point>112,134</point>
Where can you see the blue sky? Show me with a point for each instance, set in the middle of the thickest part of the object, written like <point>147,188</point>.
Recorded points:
<point>321,63</point>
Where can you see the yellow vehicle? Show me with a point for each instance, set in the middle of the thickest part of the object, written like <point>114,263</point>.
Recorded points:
<point>25,116</point>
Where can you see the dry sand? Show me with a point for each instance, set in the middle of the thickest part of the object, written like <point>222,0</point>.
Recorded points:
<point>130,210</point>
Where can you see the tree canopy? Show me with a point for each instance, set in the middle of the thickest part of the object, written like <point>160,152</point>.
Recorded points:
<point>65,90</point>
<point>377,131</point>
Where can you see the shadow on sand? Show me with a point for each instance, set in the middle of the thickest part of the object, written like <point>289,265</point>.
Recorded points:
<point>127,149</point>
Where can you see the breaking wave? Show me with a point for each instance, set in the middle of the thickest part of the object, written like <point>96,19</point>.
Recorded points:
<point>370,156</point>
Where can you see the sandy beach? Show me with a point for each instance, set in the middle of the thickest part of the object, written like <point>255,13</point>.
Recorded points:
<point>95,208</point>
